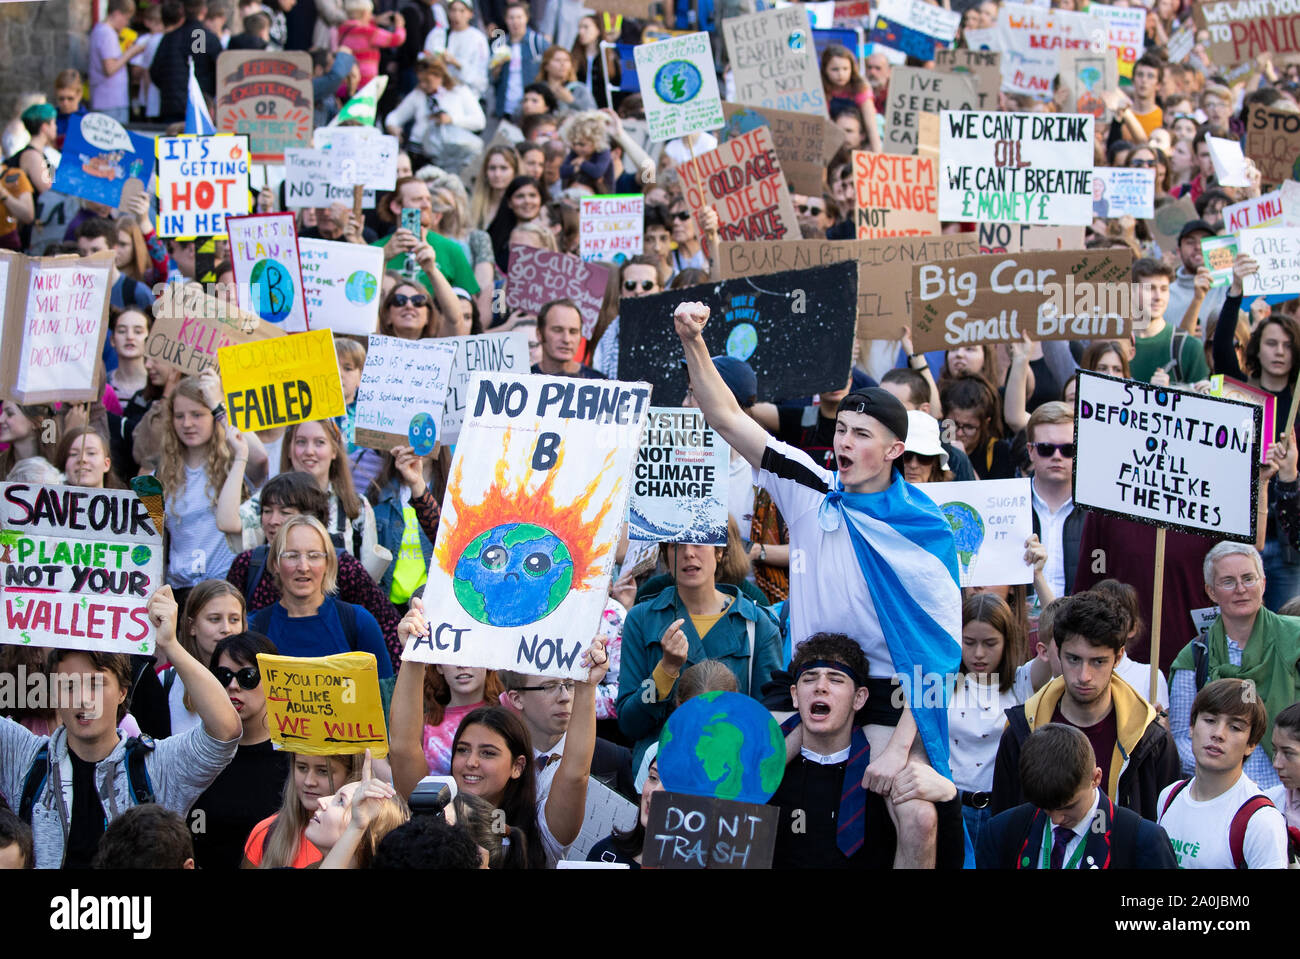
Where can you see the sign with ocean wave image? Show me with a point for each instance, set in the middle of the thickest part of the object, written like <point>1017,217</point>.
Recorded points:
<point>679,482</point>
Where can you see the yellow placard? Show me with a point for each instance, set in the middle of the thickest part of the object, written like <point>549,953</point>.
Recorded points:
<point>281,381</point>
<point>324,705</point>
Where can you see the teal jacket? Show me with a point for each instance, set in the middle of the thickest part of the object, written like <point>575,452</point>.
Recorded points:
<point>641,716</point>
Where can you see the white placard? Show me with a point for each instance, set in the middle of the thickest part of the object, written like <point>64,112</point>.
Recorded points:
<point>990,519</point>
<point>680,480</point>
<point>1267,209</point>
<point>264,258</point>
<point>606,811</point>
<point>611,227</point>
<point>365,155</point>
<point>201,181</point>
<point>1229,162</point>
<point>403,390</point>
<point>933,21</point>
<point>341,283</point>
<point>312,178</point>
<point>1277,250</point>
<point>481,353</point>
<point>1123,191</point>
<point>62,336</point>
<point>679,86</point>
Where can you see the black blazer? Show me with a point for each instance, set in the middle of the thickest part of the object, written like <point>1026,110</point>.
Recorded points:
<point>1013,840</point>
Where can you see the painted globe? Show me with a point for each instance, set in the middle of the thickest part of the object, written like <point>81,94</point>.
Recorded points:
<point>423,433</point>
<point>742,341</point>
<point>272,290</point>
<point>678,81</point>
<point>512,575</point>
<point>361,287</point>
<point>724,745</point>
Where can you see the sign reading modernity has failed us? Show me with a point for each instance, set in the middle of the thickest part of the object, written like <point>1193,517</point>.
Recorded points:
<point>281,381</point>
<point>1168,457</point>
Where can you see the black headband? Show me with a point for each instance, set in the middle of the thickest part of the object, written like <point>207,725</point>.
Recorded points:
<point>828,664</point>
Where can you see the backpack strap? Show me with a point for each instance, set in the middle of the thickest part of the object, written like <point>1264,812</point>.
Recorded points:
<point>169,680</point>
<point>1201,660</point>
<point>1176,343</point>
<point>35,782</point>
<point>348,618</point>
<point>138,749</point>
<point>256,569</point>
<point>261,620</point>
<point>1173,793</point>
<point>1240,820</point>
<point>749,630</point>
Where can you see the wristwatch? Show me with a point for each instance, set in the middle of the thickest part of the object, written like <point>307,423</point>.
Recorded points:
<point>762,553</point>
<point>218,411</point>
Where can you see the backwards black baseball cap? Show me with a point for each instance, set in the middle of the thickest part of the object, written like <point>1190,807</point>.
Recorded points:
<point>879,404</point>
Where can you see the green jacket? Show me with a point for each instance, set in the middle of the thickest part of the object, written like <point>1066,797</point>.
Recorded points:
<point>452,263</point>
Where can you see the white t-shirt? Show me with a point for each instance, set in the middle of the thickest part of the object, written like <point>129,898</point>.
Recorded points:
<point>976,718</point>
<point>740,494</point>
<point>515,78</point>
<point>182,719</point>
<point>199,550</point>
<point>555,851</point>
<point>1199,830</point>
<point>1138,675</point>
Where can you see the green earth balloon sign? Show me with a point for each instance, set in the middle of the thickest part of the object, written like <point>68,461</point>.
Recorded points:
<point>723,745</point>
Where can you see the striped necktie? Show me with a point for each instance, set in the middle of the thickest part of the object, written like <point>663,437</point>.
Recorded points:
<point>851,821</point>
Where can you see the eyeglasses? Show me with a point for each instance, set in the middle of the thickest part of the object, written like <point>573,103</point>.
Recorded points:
<point>1141,163</point>
<point>682,216</point>
<point>550,689</point>
<point>292,557</point>
<point>248,677</point>
<point>807,209</point>
<point>965,429</point>
<point>1229,584</point>
<point>415,299</point>
<point>646,285</point>
<point>1045,450</point>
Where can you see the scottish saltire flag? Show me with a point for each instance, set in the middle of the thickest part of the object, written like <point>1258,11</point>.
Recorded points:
<point>362,106</point>
<point>197,120</point>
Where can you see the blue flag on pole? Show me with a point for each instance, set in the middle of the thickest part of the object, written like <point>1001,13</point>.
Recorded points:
<point>197,120</point>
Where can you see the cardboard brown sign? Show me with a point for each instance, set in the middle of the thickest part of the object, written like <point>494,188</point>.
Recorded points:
<point>896,195</point>
<point>743,181</point>
<point>1273,142</point>
<point>190,326</point>
<point>804,143</point>
<point>1240,30</point>
<point>268,96</point>
<point>983,66</point>
<point>913,91</point>
<point>1169,220</point>
<point>773,60</point>
<point>1015,237</point>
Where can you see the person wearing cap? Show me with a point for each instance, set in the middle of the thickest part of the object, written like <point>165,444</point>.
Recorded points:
<point>924,458</point>
<point>872,556</point>
<point>463,46</point>
<point>1183,288</point>
<point>1163,356</point>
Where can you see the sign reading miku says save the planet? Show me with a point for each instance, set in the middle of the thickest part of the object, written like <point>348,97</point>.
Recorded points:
<point>281,381</point>
<point>324,705</point>
<point>679,86</point>
<point>264,258</point>
<point>402,393</point>
<point>990,522</point>
<point>530,523</point>
<point>340,285</point>
<point>78,568</point>
<point>1167,457</point>
<point>679,483</point>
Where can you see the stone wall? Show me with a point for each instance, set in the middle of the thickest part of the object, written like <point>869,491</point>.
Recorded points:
<point>39,38</point>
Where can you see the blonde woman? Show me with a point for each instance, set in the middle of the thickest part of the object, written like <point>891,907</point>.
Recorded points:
<point>590,162</point>
<point>558,74</point>
<point>280,841</point>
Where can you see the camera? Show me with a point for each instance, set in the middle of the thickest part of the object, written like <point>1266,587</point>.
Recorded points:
<point>432,795</point>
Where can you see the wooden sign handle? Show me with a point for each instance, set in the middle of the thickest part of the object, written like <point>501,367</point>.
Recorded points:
<point>1157,600</point>
<point>358,193</point>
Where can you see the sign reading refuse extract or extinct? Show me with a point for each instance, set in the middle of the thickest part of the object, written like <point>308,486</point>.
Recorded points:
<point>79,566</point>
<point>268,96</point>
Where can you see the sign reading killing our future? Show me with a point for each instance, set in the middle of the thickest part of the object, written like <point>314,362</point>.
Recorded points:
<point>190,326</point>
<point>1168,457</point>
<point>281,381</point>
<point>531,519</point>
<point>679,86</point>
<point>1016,167</point>
<point>324,705</point>
<point>990,522</point>
<point>402,393</point>
<point>201,181</point>
<point>264,259</point>
<point>773,322</point>
<point>79,566</point>
<point>268,96</point>
<point>679,483</point>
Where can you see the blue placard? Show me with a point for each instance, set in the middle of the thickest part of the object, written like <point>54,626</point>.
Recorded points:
<point>98,171</point>
<point>912,42</point>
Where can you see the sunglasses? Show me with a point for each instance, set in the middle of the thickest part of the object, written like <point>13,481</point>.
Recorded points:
<point>1141,163</point>
<point>807,209</point>
<point>682,215</point>
<point>415,299</point>
<point>248,677</point>
<point>1045,450</point>
<point>646,285</point>
<point>909,456</point>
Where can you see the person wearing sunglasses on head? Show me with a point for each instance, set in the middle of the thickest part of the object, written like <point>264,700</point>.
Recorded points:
<point>250,788</point>
<point>638,276</point>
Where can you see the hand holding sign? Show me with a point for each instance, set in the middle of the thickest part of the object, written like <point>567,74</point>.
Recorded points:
<point>597,659</point>
<point>163,613</point>
<point>413,623</point>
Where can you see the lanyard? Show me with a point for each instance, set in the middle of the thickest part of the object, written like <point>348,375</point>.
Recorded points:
<point>1072,862</point>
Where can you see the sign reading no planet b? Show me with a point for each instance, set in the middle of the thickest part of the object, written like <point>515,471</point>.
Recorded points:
<point>264,258</point>
<point>679,86</point>
<point>679,483</point>
<point>79,566</point>
<point>201,181</point>
<point>531,518</point>
<point>281,381</point>
<point>324,705</point>
<point>1167,457</point>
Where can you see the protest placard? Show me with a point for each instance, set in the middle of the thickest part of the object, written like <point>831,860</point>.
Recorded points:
<point>641,557</point>
<point>1016,168</point>
<point>1277,250</point>
<point>1263,210</point>
<point>505,353</point>
<point>536,277</point>
<point>190,326</point>
<point>852,13</point>
<point>281,381</point>
<point>267,95</point>
<point>201,181</point>
<point>679,483</point>
<point>896,195</point>
<point>403,393</point>
<point>1169,220</point>
<point>264,259</point>
<point>55,313</point>
<point>742,180</point>
<point>679,86</point>
<point>610,227</point>
<point>103,161</point>
<point>773,61</point>
<point>773,322</point>
<point>990,520</point>
<point>1015,237</point>
<point>340,285</point>
<point>1229,162</point>
<point>314,178</point>
<point>1125,33</point>
<point>1273,142</point>
<point>1240,30</point>
<point>984,67</point>
<point>364,155</point>
<point>700,832</point>
<point>1218,252</point>
<point>605,812</point>
<point>804,143</point>
<point>1233,389</point>
<point>883,304</point>
<point>1123,191</point>
<point>530,523</point>
<point>913,27</point>
<point>1169,457</point>
<point>1085,77</point>
<point>1056,295</point>
<point>79,566</point>
<point>913,91</point>
<point>324,705</point>
<point>1181,42</point>
<point>1033,40</point>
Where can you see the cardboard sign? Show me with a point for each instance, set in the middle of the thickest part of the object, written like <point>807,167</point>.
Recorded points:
<point>679,483</point>
<point>742,180</point>
<point>914,27</point>
<point>282,381</point>
<point>1123,191</point>
<point>55,319</point>
<point>536,277</point>
<point>773,61</point>
<point>1232,389</point>
<point>1278,254</point>
<point>1016,168</point>
<point>264,258</point>
<point>314,178</point>
<point>1086,76</point>
<point>1181,41</point>
<point>100,159</point>
<point>1168,457</point>
<point>610,227</point>
<point>365,156</point>
<point>804,143</point>
<point>79,566</point>
<point>324,705</point>
<point>1017,237</point>
<point>1169,220</point>
<point>268,96</point>
<point>504,353</point>
<point>640,558</point>
<point>340,285</point>
<point>1066,295</point>
<point>1273,142</point>
<point>1229,162</point>
<point>1033,39</point>
<point>699,832</point>
<point>896,195</point>
<point>984,68</point>
<point>190,326</point>
<point>913,91</point>
<point>1219,252</point>
<point>1240,30</point>
<point>883,303</point>
<point>403,392</point>
<point>1263,210</point>
<point>201,181</point>
<point>773,322</point>
<point>1125,33</point>
<point>530,522</point>
<point>990,520</point>
<point>679,86</point>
